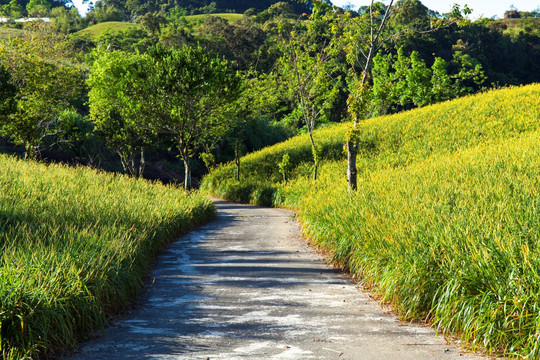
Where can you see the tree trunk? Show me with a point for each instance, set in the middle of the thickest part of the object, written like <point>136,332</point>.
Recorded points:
<point>187,174</point>
<point>314,153</point>
<point>315,163</point>
<point>237,162</point>
<point>142,164</point>
<point>352,150</point>
<point>124,163</point>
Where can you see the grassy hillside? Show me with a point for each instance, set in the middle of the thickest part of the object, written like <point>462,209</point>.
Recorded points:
<point>75,244</point>
<point>6,33</point>
<point>227,16</point>
<point>97,30</point>
<point>445,224</point>
<point>110,26</point>
<point>516,26</point>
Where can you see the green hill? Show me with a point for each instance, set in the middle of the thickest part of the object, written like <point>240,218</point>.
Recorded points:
<point>6,33</point>
<point>74,246</point>
<point>445,224</point>
<point>95,31</point>
<point>227,16</point>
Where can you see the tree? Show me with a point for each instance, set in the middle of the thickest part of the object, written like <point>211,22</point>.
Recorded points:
<point>362,39</point>
<point>8,91</point>
<point>193,89</point>
<point>46,87</point>
<point>122,104</point>
<point>152,21</point>
<point>305,68</point>
<point>12,10</point>
<point>407,82</point>
<point>38,8</point>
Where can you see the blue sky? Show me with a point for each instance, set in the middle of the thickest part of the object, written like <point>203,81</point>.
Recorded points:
<point>481,8</point>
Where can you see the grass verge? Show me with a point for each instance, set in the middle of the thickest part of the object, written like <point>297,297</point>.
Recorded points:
<point>74,247</point>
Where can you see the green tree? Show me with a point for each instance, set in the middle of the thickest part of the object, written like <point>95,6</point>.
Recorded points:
<point>122,105</point>
<point>46,86</point>
<point>66,21</point>
<point>152,22</point>
<point>38,8</point>
<point>12,10</point>
<point>8,91</point>
<point>407,82</point>
<point>305,69</point>
<point>362,37</point>
<point>441,82</point>
<point>193,90</point>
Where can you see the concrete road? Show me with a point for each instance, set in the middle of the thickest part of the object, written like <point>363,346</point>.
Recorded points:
<point>247,286</point>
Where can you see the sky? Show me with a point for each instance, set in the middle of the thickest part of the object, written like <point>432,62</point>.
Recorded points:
<point>82,5</point>
<point>481,8</point>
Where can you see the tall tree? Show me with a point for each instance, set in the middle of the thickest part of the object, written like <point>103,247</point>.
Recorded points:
<point>363,38</point>
<point>46,87</point>
<point>121,101</point>
<point>193,89</point>
<point>305,67</point>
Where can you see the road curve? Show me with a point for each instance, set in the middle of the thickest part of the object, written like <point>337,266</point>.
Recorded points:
<point>246,286</point>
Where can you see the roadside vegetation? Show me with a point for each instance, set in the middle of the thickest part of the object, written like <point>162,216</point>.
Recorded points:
<point>444,224</point>
<point>75,244</point>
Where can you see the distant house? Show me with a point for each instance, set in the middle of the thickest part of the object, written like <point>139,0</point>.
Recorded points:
<point>5,19</point>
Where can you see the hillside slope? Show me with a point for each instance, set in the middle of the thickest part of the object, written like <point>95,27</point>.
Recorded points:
<point>446,220</point>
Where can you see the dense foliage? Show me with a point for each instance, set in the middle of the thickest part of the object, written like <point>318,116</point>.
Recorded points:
<point>75,244</point>
<point>444,224</point>
<point>422,58</point>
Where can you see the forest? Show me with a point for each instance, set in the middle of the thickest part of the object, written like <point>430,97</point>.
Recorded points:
<point>78,90</point>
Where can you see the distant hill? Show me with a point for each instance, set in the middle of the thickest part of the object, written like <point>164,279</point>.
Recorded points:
<point>124,10</point>
<point>243,5</point>
<point>109,26</point>
<point>6,33</point>
<point>227,16</point>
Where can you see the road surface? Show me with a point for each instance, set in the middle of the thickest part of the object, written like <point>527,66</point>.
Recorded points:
<point>247,286</point>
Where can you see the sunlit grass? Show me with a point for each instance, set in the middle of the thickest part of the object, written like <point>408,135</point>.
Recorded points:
<point>7,33</point>
<point>227,16</point>
<point>96,30</point>
<point>445,224</point>
<point>75,245</point>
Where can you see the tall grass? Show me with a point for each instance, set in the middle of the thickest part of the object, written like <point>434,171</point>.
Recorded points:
<point>75,245</point>
<point>445,224</point>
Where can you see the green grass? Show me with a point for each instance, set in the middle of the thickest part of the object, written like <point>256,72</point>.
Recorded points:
<point>7,33</point>
<point>445,224</point>
<point>75,245</point>
<point>227,16</point>
<point>516,26</point>
<point>95,31</point>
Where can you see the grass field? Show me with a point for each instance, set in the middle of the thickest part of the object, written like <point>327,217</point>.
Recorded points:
<point>75,245</point>
<point>6,33</point>
<point>445,224</point>
<point>227,16</point>
<point>95,31</point>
